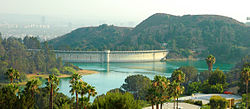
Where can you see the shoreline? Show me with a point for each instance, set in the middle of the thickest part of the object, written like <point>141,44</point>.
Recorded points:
<point>183,59</point>
<point>81,72</point>
<point>44,76</point>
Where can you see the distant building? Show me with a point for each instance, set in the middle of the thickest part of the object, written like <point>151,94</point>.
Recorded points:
<point>43,20</point>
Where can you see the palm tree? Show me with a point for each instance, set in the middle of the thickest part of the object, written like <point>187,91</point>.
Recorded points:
<point>75,77</point>
<point>91,91</point>
<point>210,61</point>
<point>174,90</point>
<point>151,96</point>
<point>179,77</point>
<point>158,93</point>
<point>156,85</point>
<point>13,88</point>
<point>52,84</point>
<point>161,83</point>
<point>75,86</point>
<point>12,74</point>
<point>83,91</point>
<point>32,86</point>
<point>164,86</point>
<point>84,102</point>
<point>245,76</point>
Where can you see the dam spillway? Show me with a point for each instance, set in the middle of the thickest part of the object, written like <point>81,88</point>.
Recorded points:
<point>111,56</point>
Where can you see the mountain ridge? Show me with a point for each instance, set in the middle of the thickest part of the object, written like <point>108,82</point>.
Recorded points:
<point>206,34</point>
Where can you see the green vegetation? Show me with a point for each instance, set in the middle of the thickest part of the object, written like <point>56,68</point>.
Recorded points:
<point>210,61</point>
<point>12,74</point>
<point>193,87</point>
<point>218,102</point>
<point>162,90</point>
<point>116,101</point>
<point>177,78</point>
<point>214,83</point>
<point>234,76</point>
<point>159,91</point>
<point>51,85</point>
<point>15,56</point>
<point>243,102</point>
<point>195,102</point>
<point>186,36</point>
<point>75,86</point>
<point>245,76</point>
<point>137,85</point>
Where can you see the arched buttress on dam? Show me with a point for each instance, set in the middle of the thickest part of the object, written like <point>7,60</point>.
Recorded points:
<point>111,56</point>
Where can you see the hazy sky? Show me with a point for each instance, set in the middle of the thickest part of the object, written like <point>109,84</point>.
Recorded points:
<point>126,10</point>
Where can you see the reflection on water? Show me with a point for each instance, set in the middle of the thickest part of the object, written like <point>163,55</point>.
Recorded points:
<point>112,75</point>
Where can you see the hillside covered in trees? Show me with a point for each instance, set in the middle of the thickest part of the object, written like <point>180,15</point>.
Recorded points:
<point>185,36</point>
<point>14,54</point>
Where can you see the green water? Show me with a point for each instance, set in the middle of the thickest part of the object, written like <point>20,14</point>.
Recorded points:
<point>112,75</point>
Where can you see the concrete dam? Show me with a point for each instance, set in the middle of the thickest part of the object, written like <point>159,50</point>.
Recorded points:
<point>111,56</point>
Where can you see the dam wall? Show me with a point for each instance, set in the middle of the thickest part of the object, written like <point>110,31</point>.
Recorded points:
<point>111,56</point>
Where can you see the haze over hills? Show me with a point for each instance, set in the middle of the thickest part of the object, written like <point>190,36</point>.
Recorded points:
<point>188,35</point>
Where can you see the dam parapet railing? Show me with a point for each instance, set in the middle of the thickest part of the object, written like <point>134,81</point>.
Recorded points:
<point>111,52</point>
<point>110,56</point>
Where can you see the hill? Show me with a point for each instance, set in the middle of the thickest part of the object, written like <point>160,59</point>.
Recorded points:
<point>91,38</point>
<point>188,35</point>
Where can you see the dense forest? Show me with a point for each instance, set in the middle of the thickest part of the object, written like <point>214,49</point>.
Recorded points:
<point>14,54</point>
<point>183,36</point>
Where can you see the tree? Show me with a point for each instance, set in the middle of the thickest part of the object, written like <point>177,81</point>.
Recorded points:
<point>245,76</point>
<point>75,86</point>
<point>217,77</point>
<point>12,74</point>
<point>51,85</point>
<point>83,91</point>
<point>54,71</point>
<point>27,97</point>
<point>191,74</point>
<point>210,61</point>
<point>193,87</point>
<point>176,90</point>
<point>179,77</point>
<point>91,91</point>
<point>208,88</point>
<point>116,101</point>
<point>8,98</point>
<point>60,100</point>
<point>161,86</point>
<point>203,76</point>
<point>137,85</point>
<point>32,86</point>
<point>151,96</point>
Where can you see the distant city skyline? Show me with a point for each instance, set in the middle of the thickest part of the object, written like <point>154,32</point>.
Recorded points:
<point>129,12</point>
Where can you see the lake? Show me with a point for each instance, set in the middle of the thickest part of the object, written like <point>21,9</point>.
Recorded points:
<point>112,75</point>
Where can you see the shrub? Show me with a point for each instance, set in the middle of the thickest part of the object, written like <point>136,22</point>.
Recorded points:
<point>193,87</point>
<point>54,71</point>
<point>207,88</point>
<point>218,102</point>
<point>116,101</point>
<point>196,102</point>
<point>68,70</point>
<point>205,107</point>
<point>218,88</point>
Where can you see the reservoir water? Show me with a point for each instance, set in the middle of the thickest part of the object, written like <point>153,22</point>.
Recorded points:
<point>112,75</point>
